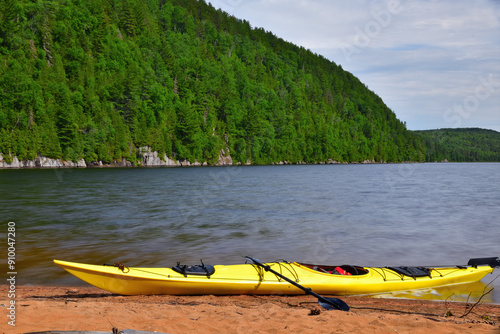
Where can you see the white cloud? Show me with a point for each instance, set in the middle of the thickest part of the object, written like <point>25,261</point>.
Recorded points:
<point>422,57</point>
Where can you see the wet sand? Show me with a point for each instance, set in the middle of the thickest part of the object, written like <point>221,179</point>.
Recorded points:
<point>90,309</point>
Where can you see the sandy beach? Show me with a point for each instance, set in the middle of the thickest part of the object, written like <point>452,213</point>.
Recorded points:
<point>90,309</point>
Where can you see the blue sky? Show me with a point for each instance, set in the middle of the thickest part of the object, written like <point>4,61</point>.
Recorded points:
<point>435,63</point>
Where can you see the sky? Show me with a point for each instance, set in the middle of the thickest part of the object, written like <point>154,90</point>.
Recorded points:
<point>435,63</point>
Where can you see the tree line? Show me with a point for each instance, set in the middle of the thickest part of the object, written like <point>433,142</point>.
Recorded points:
<point>99,79</point>
<point>461,145</point>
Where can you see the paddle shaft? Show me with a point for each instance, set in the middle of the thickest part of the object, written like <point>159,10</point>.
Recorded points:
<point>306,290</point>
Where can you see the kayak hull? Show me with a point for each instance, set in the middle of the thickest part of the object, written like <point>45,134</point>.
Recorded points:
<point>251,279</point>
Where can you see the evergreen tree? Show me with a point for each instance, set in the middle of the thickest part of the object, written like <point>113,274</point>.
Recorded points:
<point>99,79</point>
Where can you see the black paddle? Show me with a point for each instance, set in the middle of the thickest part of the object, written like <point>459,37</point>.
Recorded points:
<point>326,303</point>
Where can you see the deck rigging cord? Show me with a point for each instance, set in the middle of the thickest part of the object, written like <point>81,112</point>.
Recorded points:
<point>326,303</point>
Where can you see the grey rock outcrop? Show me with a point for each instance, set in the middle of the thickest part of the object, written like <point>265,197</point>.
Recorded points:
<point>41,162</point>
<point>151,159</point>
<point>147,158</point>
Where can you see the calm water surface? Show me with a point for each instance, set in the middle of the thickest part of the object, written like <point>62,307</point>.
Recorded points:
<point>401,214</point>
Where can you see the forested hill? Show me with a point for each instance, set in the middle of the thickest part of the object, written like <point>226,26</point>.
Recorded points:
<point>461,145</point>
<point>99,79</point>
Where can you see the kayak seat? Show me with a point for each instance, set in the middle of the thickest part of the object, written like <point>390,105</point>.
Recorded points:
<point>345,269</point>
<point>341,271</point>
<point>412,271</point>
<point>199,269</point>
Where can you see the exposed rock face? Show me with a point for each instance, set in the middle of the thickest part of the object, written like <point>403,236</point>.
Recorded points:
<point>41,162</point>
<point>122,163</point>
<point>147,157</point>
<point>151,159</point>
<point>224,160</point>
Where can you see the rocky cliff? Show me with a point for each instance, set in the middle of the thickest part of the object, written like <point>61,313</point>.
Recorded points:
<point>148,158</point>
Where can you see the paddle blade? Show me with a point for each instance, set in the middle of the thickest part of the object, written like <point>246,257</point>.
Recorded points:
<point>333,304</point>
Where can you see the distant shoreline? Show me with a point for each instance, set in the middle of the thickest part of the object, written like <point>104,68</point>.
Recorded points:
<point>150,159</point>
<point>147,157</point>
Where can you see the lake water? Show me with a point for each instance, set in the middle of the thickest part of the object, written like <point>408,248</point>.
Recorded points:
<point>378,215</point>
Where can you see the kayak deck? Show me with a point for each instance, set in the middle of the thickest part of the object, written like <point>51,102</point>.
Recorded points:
<point>251,279</point>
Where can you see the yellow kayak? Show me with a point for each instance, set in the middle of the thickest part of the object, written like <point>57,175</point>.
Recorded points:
<point>252,279</point>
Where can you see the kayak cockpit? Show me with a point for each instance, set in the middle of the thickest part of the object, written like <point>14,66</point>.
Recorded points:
<point>345,269</point>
